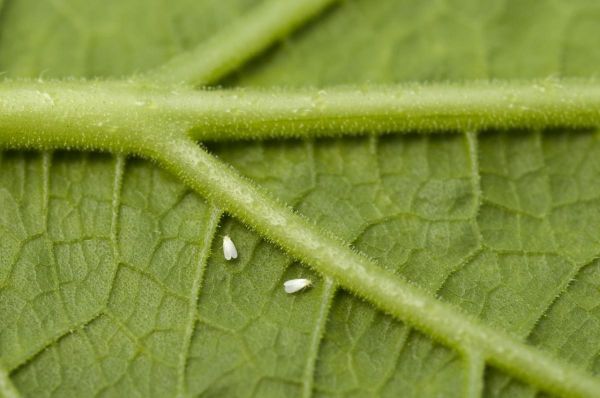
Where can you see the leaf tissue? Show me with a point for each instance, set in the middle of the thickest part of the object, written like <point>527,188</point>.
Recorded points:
<point>429,168</point>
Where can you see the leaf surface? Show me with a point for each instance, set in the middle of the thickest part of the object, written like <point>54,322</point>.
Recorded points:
<point>105,258</point>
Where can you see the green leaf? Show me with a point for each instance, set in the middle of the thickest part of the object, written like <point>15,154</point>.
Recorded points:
<point>106,282</point>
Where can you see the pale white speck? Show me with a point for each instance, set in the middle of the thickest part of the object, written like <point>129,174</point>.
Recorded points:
<point>229,250</point>
<point>295,285</point>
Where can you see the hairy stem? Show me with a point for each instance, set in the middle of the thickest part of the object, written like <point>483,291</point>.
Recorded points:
<point>114,113</point>
<point>238,43</point>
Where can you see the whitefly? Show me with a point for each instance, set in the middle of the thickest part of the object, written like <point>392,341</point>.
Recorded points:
<point>296,285</point>
<point>229,250</point>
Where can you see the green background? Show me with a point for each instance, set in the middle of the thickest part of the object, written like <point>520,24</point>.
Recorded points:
<point>97,283</point>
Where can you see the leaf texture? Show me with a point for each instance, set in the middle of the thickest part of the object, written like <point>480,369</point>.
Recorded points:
<point>112,280</point>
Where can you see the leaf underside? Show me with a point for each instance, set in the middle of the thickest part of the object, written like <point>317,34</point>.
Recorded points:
<point>111,282</point>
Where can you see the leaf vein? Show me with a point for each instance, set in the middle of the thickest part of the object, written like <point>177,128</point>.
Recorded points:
<point>214,215</point>
<point>308,377</point>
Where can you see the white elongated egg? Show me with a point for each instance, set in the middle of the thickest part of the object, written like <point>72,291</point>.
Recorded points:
<point>229,250</point>
<point>295,285</point>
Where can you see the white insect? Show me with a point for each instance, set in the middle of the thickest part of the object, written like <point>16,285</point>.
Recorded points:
<point>229,250</point>
<point>295,285</point>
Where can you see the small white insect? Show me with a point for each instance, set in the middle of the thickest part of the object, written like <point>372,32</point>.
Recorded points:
<point>295,285</point>
<point>229,250</point>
